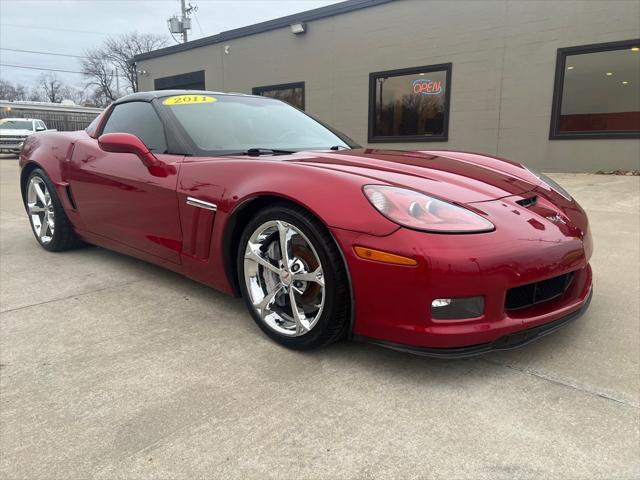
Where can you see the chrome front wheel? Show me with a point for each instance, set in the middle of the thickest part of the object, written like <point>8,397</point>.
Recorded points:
<point>293,277</point>
<point>41,210</point>
<point>284,278</point>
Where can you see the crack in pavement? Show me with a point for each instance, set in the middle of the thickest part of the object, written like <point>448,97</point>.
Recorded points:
<point>69,296</point>
<point>576,386</point>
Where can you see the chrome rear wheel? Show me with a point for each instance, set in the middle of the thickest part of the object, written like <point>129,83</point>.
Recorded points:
<point>48,219</point>
<point>284,278</point>
<point>41,210</point>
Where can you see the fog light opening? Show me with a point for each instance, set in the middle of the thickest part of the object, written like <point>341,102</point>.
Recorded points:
<point>457,308</point>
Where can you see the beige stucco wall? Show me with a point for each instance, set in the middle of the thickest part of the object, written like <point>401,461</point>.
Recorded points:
<point>503,54</point>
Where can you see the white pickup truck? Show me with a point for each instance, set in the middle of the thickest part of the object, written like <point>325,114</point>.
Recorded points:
<point>14,131</point>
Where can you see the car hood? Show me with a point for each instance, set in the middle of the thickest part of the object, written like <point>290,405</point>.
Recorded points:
<point>457,176</point>
<point>14,133</point>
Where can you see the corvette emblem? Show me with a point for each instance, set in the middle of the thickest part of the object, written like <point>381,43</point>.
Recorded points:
<point>556,219</point>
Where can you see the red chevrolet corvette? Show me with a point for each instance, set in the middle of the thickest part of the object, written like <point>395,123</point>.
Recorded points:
<point>439,253</point>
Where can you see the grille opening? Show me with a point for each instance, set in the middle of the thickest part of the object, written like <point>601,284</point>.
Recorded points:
<point>538,292</point>
<point>528,202</point>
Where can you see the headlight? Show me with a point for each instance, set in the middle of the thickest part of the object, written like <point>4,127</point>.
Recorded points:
<point>552,184</point>
<point>422,212</point>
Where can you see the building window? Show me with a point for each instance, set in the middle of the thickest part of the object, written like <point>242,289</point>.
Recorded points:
<point>292,93</point>
<point>183,81</point>
<point>410,105</point>
<point>597,91</point>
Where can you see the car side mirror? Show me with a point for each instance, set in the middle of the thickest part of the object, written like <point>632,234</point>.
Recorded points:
<point>40,129</point>
<point>128,143</point>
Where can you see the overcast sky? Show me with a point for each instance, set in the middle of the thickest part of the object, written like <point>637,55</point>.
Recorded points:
<point>69,27</point>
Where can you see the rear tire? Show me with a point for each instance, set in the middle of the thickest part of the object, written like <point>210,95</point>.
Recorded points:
<point>310,272</point>
<point>49,222</point>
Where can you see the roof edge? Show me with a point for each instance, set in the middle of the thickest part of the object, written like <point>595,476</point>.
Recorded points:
<point>307,16</point>
<point>46,106</point>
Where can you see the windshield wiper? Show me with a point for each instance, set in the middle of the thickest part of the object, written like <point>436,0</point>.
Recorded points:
<point>256,152</point>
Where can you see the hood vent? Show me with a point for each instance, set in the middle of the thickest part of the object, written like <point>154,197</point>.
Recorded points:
<point>528,202</point>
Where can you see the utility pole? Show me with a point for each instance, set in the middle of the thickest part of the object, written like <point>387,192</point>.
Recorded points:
<point>117,83</point>
<point>182,24</point>
<point>183,8</point>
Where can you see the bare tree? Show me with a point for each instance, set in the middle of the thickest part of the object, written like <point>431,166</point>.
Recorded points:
<point>122,49</point>
<point>113,58</point>
<point>54,90</point>
<point>47,86</point>
<point>100,76</point>
<point>34,95</point>
<point>12,91</point>
<point>79,96</point>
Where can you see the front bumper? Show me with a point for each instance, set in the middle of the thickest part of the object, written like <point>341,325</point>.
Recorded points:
<point>392,303</point>
<point>507,342</point>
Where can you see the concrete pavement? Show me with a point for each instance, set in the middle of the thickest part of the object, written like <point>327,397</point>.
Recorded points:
<point>113,368</point>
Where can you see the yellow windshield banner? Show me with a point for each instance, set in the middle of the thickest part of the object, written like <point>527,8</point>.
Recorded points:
<point>188,100</point>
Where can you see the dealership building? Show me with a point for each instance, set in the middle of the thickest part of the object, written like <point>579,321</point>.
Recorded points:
<point>555,85</point>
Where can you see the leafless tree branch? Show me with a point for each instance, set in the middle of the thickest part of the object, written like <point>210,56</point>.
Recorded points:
<point>115,55</point>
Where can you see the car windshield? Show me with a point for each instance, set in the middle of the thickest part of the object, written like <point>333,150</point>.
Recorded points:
<point>10,124</point>
<point>219,124</point>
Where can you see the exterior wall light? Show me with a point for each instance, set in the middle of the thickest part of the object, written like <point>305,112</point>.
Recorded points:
<point>298,28</point>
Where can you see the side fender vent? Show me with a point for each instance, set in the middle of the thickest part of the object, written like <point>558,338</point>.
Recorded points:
<point>72,201</point>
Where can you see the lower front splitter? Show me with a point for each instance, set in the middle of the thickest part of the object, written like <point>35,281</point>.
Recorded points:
<point>507,342</point>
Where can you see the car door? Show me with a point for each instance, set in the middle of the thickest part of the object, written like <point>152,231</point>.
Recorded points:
<point>118,197</point>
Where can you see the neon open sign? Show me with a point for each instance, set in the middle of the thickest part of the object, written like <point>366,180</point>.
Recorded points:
<point>424,86</point>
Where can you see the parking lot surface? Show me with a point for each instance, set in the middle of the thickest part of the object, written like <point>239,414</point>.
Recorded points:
<point>113,368</point>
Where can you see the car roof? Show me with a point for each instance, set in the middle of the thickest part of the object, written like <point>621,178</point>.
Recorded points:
<point>152,95</point>
<point>22,119</point>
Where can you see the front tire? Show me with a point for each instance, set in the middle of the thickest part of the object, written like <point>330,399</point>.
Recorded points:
<point>288,258</point>
<point>49,222</point>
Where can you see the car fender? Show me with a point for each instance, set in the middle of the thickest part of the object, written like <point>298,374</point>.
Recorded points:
<point>51,151</point>
<point>334,197</point>
<point>238,186</point>
<point>45,150</point>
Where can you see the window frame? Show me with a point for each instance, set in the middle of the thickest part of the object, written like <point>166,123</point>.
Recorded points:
<point>282,86</point>
<point>444,137</point>
<point>112,109</point>
<point>558,89</point>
